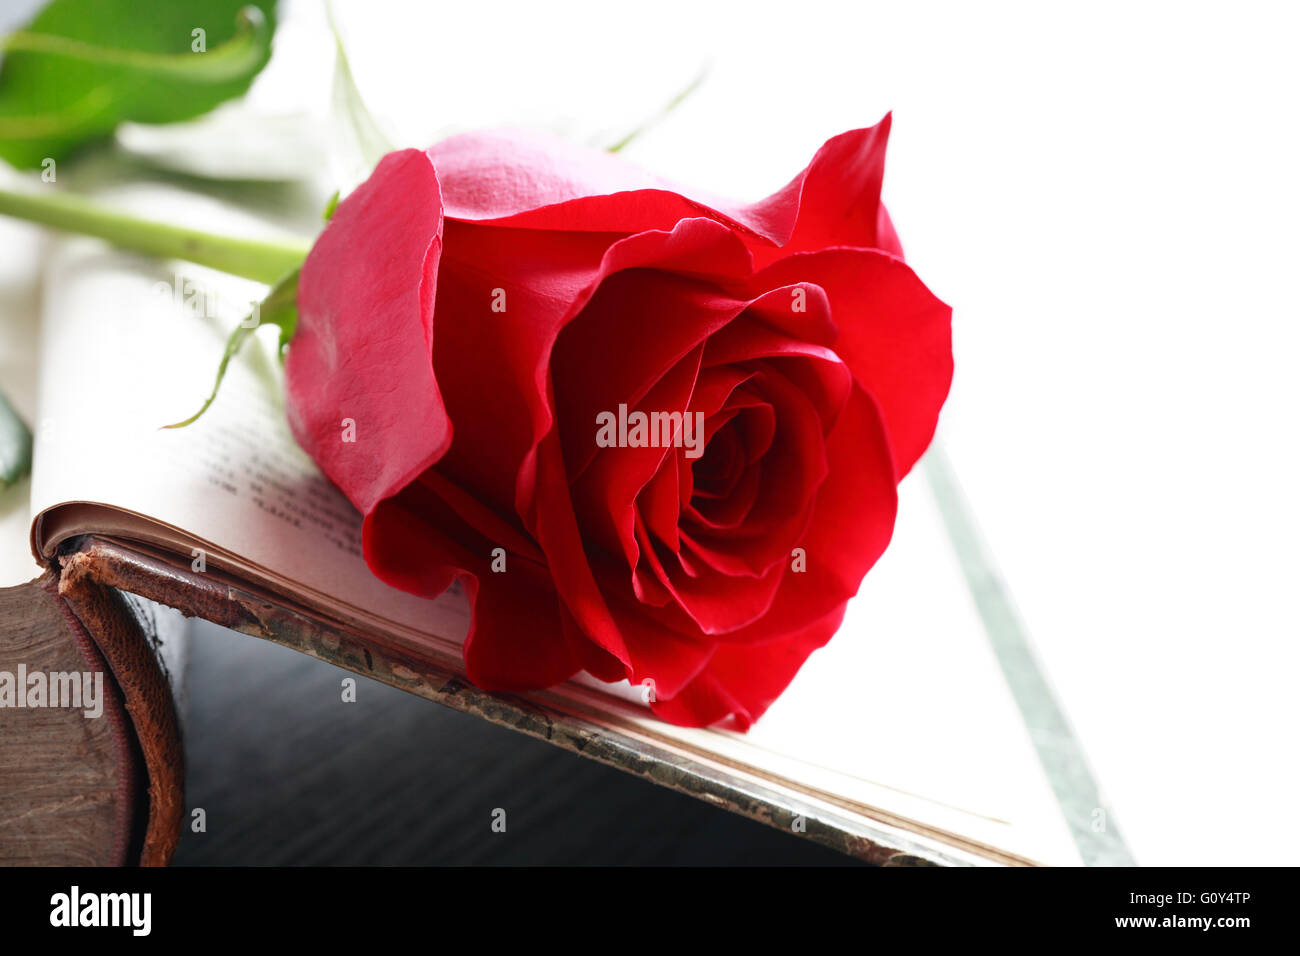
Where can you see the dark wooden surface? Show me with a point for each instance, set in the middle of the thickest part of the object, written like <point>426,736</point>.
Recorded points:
<point>290,774</point>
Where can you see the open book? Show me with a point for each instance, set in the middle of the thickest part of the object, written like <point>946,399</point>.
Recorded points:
<point>901,741</point>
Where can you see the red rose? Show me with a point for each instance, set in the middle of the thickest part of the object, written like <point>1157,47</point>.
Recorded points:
<point>493,312</point>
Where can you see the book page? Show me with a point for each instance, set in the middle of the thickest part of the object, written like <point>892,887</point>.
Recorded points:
<point>905,712</point>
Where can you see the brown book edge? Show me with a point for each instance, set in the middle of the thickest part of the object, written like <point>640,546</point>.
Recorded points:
<point>120,635</point>
<point>95,563</point>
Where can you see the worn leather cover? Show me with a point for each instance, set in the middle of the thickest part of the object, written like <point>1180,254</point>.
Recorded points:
<point>131,642</point>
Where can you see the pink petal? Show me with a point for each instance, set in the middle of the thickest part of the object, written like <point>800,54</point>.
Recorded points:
<point>365,331</point>
<point>533,180</point>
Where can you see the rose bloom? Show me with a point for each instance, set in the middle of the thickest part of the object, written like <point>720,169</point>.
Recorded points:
<point>479,309</point>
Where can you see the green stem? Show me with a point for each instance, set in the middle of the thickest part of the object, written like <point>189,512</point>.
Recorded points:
<point>260,260</point>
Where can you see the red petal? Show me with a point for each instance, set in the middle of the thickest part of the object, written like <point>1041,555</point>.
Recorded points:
<point>742,681</point>
<point>516,641</point>
<point>852,523</point>
<point>893,333</point>
<point>493,366</point>
<point>361,351</point>
<point>660,654</point>
<point>837,197</point>
<point>636,329</point>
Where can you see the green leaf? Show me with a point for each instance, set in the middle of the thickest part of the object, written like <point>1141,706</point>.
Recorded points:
<point>84,66</point>
<point>279,308</point>
<point>15,445</point>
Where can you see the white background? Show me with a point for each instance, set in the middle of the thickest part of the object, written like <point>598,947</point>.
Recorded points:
<point>1107,195</point>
